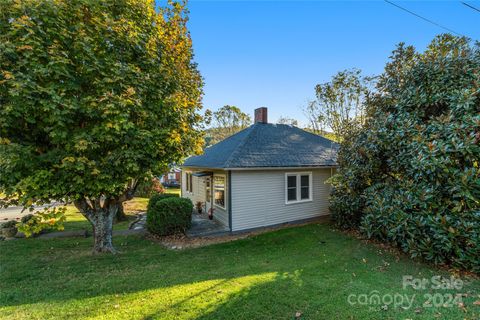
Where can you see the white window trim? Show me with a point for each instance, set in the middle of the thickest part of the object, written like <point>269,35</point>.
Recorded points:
<point>310,185</point>
<point>225,191</point>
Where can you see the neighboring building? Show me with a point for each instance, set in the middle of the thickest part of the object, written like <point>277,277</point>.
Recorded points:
<point>264,175</point>
<point>172,178</point>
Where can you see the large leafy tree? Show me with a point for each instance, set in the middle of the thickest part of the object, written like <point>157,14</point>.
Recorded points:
<point>226,121</point>
<point>94,97</point>
<point>411,175</point>
<point>339,104</point>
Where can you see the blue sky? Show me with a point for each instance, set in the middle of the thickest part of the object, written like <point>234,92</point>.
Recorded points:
<point>272,53</point>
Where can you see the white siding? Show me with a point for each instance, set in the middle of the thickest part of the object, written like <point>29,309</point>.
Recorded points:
<point>198,188</point>
<point>199,194</point>
<point>258,198</point>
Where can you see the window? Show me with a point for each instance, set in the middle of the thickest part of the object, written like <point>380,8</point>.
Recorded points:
<point>219,191</point>
<point>188,182</point>
<point>209,190</point>
<point>292,188</point>
<point>298,187</point>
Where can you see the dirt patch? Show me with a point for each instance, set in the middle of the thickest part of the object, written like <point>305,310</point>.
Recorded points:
<point>180,242</point>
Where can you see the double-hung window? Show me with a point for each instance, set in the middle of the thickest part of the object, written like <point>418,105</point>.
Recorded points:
<point>298,187</point>
<point>219,190</point>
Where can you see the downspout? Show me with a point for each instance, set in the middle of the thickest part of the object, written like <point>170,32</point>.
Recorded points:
<point>230,200</point>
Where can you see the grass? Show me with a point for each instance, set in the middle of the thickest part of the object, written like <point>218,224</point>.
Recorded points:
<point>310,269</point>
<point>173,190</point>
<point>76,221</point>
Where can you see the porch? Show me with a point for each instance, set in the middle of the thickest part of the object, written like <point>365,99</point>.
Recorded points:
<point>204,227</point>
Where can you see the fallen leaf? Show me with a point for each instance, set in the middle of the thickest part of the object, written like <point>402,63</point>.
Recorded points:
<point>476,303</point>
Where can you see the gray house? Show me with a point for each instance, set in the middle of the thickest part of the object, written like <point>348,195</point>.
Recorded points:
<point>266,174</point>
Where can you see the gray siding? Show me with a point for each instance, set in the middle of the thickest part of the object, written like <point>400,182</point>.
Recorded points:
<point>258,198</point>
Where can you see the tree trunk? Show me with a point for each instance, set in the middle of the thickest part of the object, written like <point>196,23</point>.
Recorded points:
<point>120,215</point>
<point>101,217</point>
<point>102,232</point>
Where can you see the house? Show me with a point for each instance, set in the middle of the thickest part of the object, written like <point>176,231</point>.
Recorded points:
<point>172,178</point>
<point>264,175</point>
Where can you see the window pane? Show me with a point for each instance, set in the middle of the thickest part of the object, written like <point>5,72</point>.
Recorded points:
<point>219,182</point>
<point>220,198</point>
<point>304,181</point>
<point>292,181</point>
<point>305,193</point>
<point>292,194</point>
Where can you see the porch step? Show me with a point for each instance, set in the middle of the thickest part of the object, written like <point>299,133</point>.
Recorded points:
<point>203,227</point>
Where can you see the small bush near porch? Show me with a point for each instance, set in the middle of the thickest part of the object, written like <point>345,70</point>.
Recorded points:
<point>305,272</point>
<point>169,215</point>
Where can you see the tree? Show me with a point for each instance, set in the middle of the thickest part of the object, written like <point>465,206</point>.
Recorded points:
<point>94,96</point>
<point>339,103</point>
<point>231,119</point>
<point>410,176</point>
<point>227,121</point>
<point>287,120</point>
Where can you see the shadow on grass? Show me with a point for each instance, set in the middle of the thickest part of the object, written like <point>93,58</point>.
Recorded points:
<point>309,269</point>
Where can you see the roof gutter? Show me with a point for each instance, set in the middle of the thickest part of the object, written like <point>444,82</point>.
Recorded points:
<point>281,168</point>
<point>261,168</point>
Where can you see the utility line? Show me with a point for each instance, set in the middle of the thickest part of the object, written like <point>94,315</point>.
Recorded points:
<point>423,18</point>
<point>470,6</point>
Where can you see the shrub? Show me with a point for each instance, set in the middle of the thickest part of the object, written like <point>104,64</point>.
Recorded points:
<point>27,218</point>
<point>411,176</point>
<point>9,224</point>
<point>160,196</point>
<point>148,188</point>
<point>50,218</point>
<point>169,216</point>
<point>9,229</point>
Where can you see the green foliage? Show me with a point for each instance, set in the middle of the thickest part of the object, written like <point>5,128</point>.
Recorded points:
<point>149,187</point>
<point>169,216</point>
<point>94,96</point>
<point>340,103</point>
<point>47,219</point>
<point>160,196</point>
<point>411,175</point>
<point>90,104</point>
<point>9,224</point>
<point>227,121</point>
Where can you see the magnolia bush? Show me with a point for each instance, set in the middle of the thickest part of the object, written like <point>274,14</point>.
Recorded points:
<point>411,175</point>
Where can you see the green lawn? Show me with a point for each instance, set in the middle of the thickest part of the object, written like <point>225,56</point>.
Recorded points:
<point>75,220</point>
<point>310,269</point>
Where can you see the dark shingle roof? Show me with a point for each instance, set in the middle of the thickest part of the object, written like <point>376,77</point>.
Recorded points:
<point>268,145</point>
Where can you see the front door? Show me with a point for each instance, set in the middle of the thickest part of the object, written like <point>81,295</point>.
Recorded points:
<point>208,194</point>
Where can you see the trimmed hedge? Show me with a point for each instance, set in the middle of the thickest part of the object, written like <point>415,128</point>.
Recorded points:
<point>160,196</point>
<point>169,215</point>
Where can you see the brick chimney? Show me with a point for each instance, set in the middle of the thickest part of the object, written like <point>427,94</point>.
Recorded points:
<point>261,115</point>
